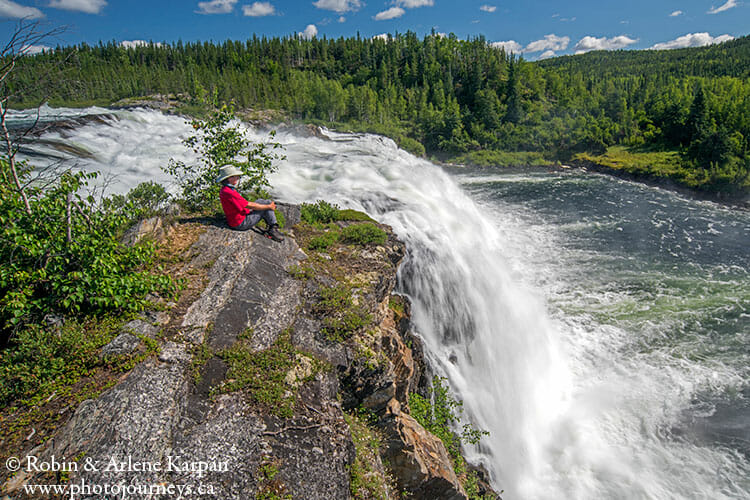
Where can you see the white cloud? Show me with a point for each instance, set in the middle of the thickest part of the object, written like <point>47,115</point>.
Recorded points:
<point>391,13</point>
<point>692,40</point>
<point>382,36</point>
<point>547,54</point>
<point>509,46</point>
<point>131,44</point>
<point>549,42</point>
<point>259,9</point>
<point>12,9</point>
<point>30,50</point>
<point>488,8</point>
<point>216,7</point>
<point>588,43</point>
<point>413,4</point>
<point>310,32</point>
<point>730,4</point>
<point>338,5</point>
<point>676,13</point>
<point>87,6</point>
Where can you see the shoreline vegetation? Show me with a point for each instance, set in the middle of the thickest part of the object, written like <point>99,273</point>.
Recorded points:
<point>663,169</point>
<point>452,100</point>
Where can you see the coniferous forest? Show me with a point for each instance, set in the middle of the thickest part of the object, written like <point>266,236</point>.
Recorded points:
<point>682,114</point>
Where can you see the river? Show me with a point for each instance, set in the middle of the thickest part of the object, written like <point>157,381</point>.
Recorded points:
<point>599,329</point>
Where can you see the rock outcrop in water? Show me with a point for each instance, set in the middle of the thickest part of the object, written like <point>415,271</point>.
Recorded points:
<point>196,418</point>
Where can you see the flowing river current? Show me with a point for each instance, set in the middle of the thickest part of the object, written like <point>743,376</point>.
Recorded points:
<point>598,329</point>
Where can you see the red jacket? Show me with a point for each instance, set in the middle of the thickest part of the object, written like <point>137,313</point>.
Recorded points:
<point>234,205</point>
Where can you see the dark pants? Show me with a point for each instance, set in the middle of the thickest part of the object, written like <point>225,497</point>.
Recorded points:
<point>256,215</point>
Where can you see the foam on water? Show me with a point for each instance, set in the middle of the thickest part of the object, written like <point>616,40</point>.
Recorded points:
<point>126,147</point>
<point>582,363</point>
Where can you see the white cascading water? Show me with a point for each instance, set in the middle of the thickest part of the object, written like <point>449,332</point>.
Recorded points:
<point>568,417</point>
<point>483,329</point>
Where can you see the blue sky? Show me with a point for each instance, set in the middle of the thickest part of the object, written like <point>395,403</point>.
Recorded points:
<point>535,28</point>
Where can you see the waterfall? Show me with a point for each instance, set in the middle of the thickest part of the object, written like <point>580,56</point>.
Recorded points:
<point>598,372</point>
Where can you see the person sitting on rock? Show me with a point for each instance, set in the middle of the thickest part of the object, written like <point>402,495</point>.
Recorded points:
<point>242,214</point>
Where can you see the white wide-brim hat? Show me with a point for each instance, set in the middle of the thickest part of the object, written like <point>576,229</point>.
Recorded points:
<point>228,171</point>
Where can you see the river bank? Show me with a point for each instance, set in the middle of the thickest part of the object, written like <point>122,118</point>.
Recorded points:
<point>732,199</point>
<point>663,169</point>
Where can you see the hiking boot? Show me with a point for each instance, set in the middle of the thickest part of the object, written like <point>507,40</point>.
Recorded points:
<point>274,233</point>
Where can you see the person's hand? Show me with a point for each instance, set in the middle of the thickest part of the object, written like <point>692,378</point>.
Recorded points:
<point>272,205</point>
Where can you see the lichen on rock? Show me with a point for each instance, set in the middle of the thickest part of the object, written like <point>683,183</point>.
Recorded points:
<point>250,380</point>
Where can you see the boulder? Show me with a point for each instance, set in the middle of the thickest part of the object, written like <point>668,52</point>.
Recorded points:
<point>152,228</point>
<point>418,459</point>
<point>125,343</point>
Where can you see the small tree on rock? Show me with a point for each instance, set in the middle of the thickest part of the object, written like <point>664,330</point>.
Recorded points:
<point>220,140</point>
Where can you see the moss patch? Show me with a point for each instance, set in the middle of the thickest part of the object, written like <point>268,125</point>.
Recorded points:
<point>341,316</point>
<point>354,215</point>
<point>270,486</point>
<point>270,377</point>
<point>368,479</point>
<point>343,275</point>
<point>201,355</point>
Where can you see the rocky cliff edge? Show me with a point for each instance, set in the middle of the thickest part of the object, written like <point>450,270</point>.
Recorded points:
<point>279,374</point>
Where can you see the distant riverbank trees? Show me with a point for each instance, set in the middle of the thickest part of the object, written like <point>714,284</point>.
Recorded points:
<point>454,97</point>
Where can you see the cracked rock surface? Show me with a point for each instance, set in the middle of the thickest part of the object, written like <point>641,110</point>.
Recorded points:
<point>164,425</point>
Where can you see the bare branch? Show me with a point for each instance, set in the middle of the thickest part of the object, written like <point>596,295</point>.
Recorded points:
<point>27,34</point>
<point>83,213</point>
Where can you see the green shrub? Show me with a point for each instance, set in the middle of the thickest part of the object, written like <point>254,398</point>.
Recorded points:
<point>324,241</point>
<point>40,359</point>
<point>411,145</point>
<point>363,234</point>
<point>220,141</point>
<point>148,198</point>
<point>67,258</point>
<point>319,212</point>
<point>438,414</point>
<point>143,201</point>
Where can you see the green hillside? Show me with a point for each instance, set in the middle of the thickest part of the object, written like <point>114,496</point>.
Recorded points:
<point>726,59</point>
<point>446,97</point>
